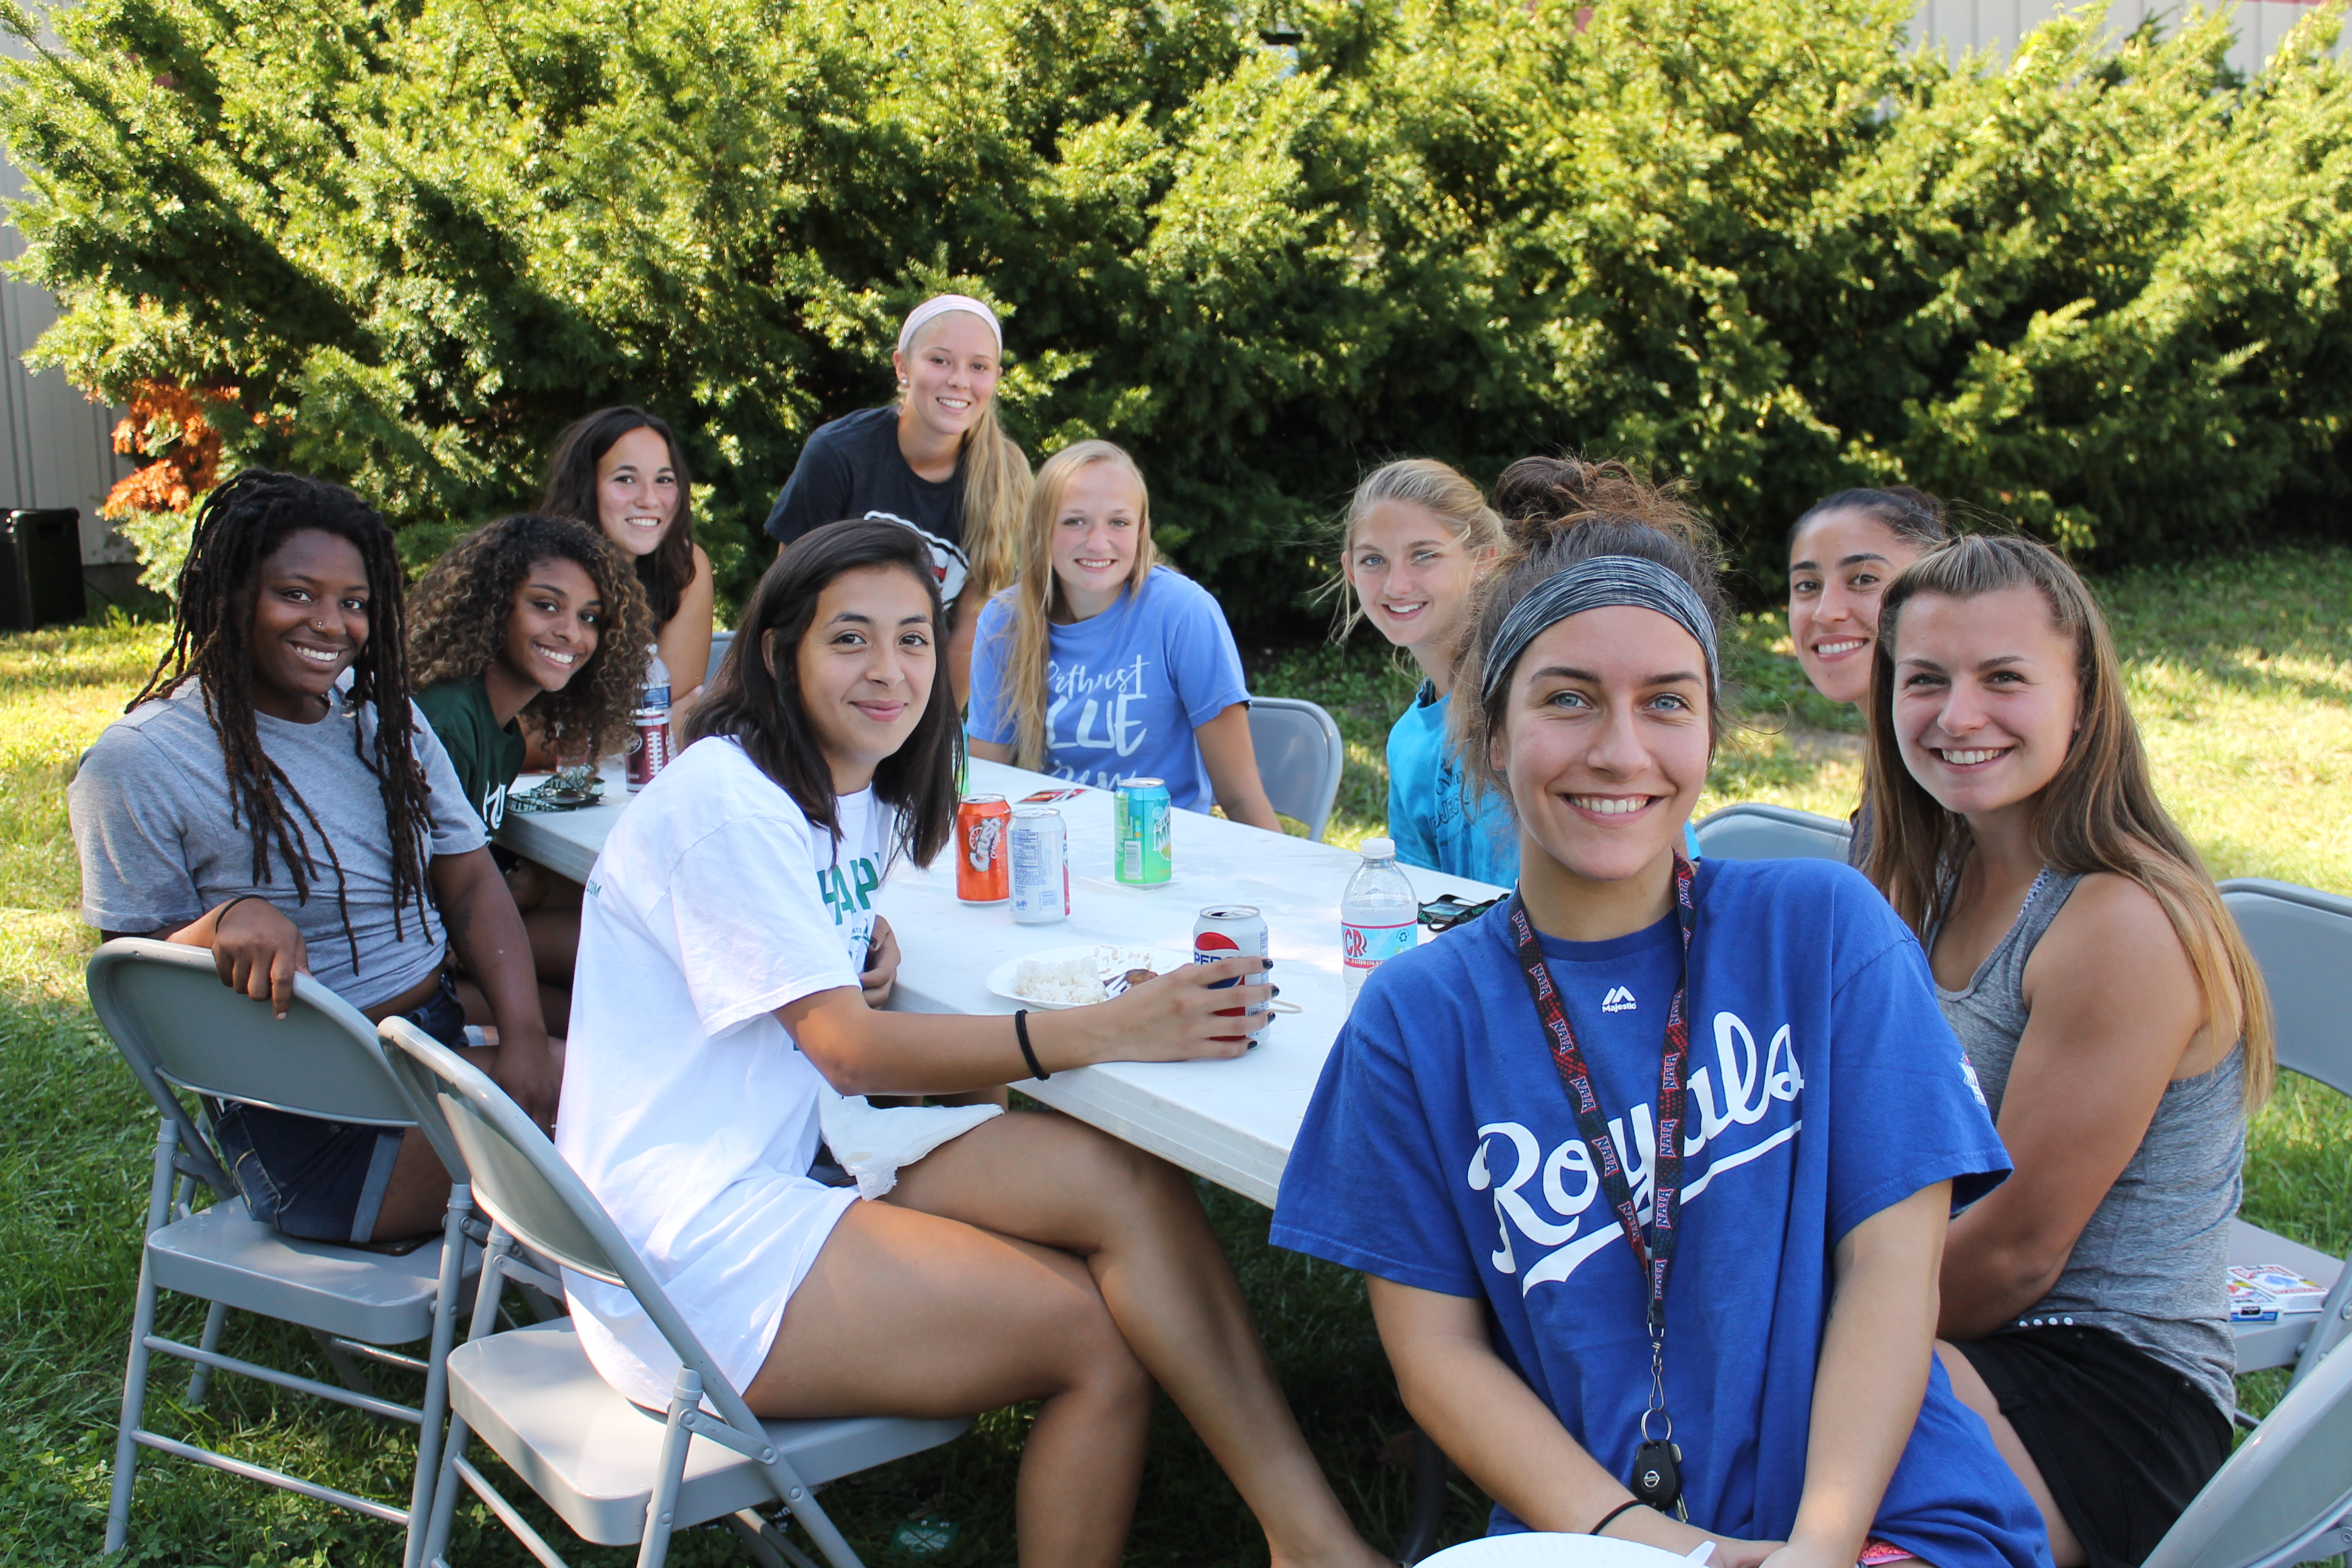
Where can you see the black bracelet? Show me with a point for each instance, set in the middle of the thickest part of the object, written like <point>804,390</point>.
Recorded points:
<point>222,914</point>
<point>1607,1519</point>
<point>1021,1033</point>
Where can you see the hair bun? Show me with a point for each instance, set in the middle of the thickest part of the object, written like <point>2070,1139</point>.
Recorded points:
<point>1541,496</point>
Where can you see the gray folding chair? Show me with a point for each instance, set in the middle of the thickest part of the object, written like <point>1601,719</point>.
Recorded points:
<point>718,643</point>
<point>1753,830</point>
<point>1299,758</point>
<point>614,1472</point>
<point>2285,1496</point>
<point>2303,939</point>
<point>181,1029</point>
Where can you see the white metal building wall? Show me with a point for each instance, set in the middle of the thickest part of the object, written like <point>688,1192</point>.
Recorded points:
<point>57,448</point>
<point>1963,24</point>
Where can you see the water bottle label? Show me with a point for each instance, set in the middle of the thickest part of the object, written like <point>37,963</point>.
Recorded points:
<point>1367,947</point>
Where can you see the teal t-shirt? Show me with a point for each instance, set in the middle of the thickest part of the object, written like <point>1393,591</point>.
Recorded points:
<point>1435,821</point>
<point>486,754</point>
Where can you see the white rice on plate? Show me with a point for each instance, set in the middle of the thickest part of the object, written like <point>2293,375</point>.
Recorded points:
<point>1076,982</point>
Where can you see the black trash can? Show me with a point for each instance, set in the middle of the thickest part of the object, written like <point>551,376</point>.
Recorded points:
<point>40,567</point>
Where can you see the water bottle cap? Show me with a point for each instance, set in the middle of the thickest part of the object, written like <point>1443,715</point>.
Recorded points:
<point>1379,849</point>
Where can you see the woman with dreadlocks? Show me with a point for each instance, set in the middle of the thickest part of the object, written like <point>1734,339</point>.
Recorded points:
<point>539,613</point>
<point>252,803</point>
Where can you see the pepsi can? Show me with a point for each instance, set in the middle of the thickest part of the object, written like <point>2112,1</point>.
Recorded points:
<point>1234,931</point>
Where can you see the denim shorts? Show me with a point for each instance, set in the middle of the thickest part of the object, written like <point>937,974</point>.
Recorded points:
<point>322,1181</point>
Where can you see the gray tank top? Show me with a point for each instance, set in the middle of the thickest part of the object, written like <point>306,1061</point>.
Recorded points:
<point>2152,1264</point>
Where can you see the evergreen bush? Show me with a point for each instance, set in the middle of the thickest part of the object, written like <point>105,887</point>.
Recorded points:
<point>1758,244</point>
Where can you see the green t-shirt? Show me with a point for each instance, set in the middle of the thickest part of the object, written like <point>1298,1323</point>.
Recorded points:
<point>486,754</point>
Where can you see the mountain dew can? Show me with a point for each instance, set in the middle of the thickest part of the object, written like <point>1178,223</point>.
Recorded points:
<point>1146,851</point>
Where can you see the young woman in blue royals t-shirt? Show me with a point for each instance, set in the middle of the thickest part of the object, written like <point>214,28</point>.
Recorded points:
<point>1099,665</point>
<point>1793,1174</point>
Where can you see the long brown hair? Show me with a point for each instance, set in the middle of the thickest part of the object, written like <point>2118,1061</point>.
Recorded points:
<point>2099,812</point>
<point>663,571</point>
<point>1027,664</point>
<point>764,713</point>
<point>457,624</point>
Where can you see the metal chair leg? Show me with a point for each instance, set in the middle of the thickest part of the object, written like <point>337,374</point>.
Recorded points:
<point>661,1509</point>
<point>200,1379</point>
<point>436,1373</point>
<point>448,1486</point>
<point>143,1324</point>
<point>1428,1501</point>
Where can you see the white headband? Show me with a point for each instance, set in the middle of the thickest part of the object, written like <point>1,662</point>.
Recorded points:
<point>939,305</point>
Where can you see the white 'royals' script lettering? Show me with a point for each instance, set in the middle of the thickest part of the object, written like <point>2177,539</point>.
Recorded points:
<point>1734,1091</point>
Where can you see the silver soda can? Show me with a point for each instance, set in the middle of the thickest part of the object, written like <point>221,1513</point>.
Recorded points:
<point>1229,931</point>
<point>1041,867</point>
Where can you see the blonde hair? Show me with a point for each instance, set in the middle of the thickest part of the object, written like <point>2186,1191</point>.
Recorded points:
<point>2099,812</point>
<point>1444,492</point>
<point>1027,666</point>
<point>995,495</point>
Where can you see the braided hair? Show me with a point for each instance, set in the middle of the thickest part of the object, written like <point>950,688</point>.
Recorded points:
<point>243,523</point>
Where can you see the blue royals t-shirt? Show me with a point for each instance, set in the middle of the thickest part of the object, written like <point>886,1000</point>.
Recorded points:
<point>1128,687</point>
<point>1440,1152</point>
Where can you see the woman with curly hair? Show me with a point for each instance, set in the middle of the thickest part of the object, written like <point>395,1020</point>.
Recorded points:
<point>537,612</point>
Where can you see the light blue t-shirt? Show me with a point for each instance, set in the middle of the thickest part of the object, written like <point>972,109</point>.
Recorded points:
<point>1128,687</point>
<point>1436,821</point>
<point>1441,1152</point>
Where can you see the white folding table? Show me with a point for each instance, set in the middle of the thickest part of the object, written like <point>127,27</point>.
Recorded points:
<point>1231,1121</point>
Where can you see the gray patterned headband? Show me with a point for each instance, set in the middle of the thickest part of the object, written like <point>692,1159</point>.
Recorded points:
<point>1593,584</point>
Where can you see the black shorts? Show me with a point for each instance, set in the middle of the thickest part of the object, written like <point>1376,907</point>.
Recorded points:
<point>322,1181</point>
<point>2122,1440</point>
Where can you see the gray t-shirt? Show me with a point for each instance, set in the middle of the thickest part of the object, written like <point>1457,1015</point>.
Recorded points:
<point>151,821</point>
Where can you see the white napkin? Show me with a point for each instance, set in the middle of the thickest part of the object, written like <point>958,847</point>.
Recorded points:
<point>873,1142</point>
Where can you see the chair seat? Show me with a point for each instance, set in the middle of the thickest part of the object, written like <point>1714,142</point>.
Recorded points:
<point>224,1254</point>
<point>2264,1345</point>
<point>532,1395</point>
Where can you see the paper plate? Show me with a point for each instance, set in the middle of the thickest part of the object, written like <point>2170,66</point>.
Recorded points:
<point>1160,960</point>
<point>1543,1551</point>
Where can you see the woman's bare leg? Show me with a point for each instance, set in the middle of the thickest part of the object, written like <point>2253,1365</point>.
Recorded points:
<point>909,1314</point>
<point>1139,1225</point>
<point>1970,1386</point>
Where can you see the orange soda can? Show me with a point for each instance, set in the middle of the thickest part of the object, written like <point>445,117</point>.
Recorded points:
<point>982,824</point>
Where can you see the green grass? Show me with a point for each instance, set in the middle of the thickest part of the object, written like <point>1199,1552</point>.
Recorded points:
<point>2239,672</point>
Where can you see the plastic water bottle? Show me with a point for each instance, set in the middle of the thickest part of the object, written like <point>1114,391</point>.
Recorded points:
<point>1377,914</point>
<point>651,722</point>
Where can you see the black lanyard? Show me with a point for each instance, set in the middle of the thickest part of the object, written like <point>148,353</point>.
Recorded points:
<point>1657,1479</point>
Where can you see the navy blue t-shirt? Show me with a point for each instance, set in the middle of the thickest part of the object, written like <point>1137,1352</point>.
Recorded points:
<point>1440,1152</point>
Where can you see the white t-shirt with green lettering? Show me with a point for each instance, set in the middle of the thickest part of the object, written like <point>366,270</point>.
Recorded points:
<point>687,1107</point>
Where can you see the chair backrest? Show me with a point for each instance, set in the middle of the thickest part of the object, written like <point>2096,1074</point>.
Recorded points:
<point>1299,758</point>
<point>1753,830</point>
<point>2303,939</point>
<point>523,1184</point>
<point>177,1024</point>
<point>2280,1491</point>
<point>719,644</point>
